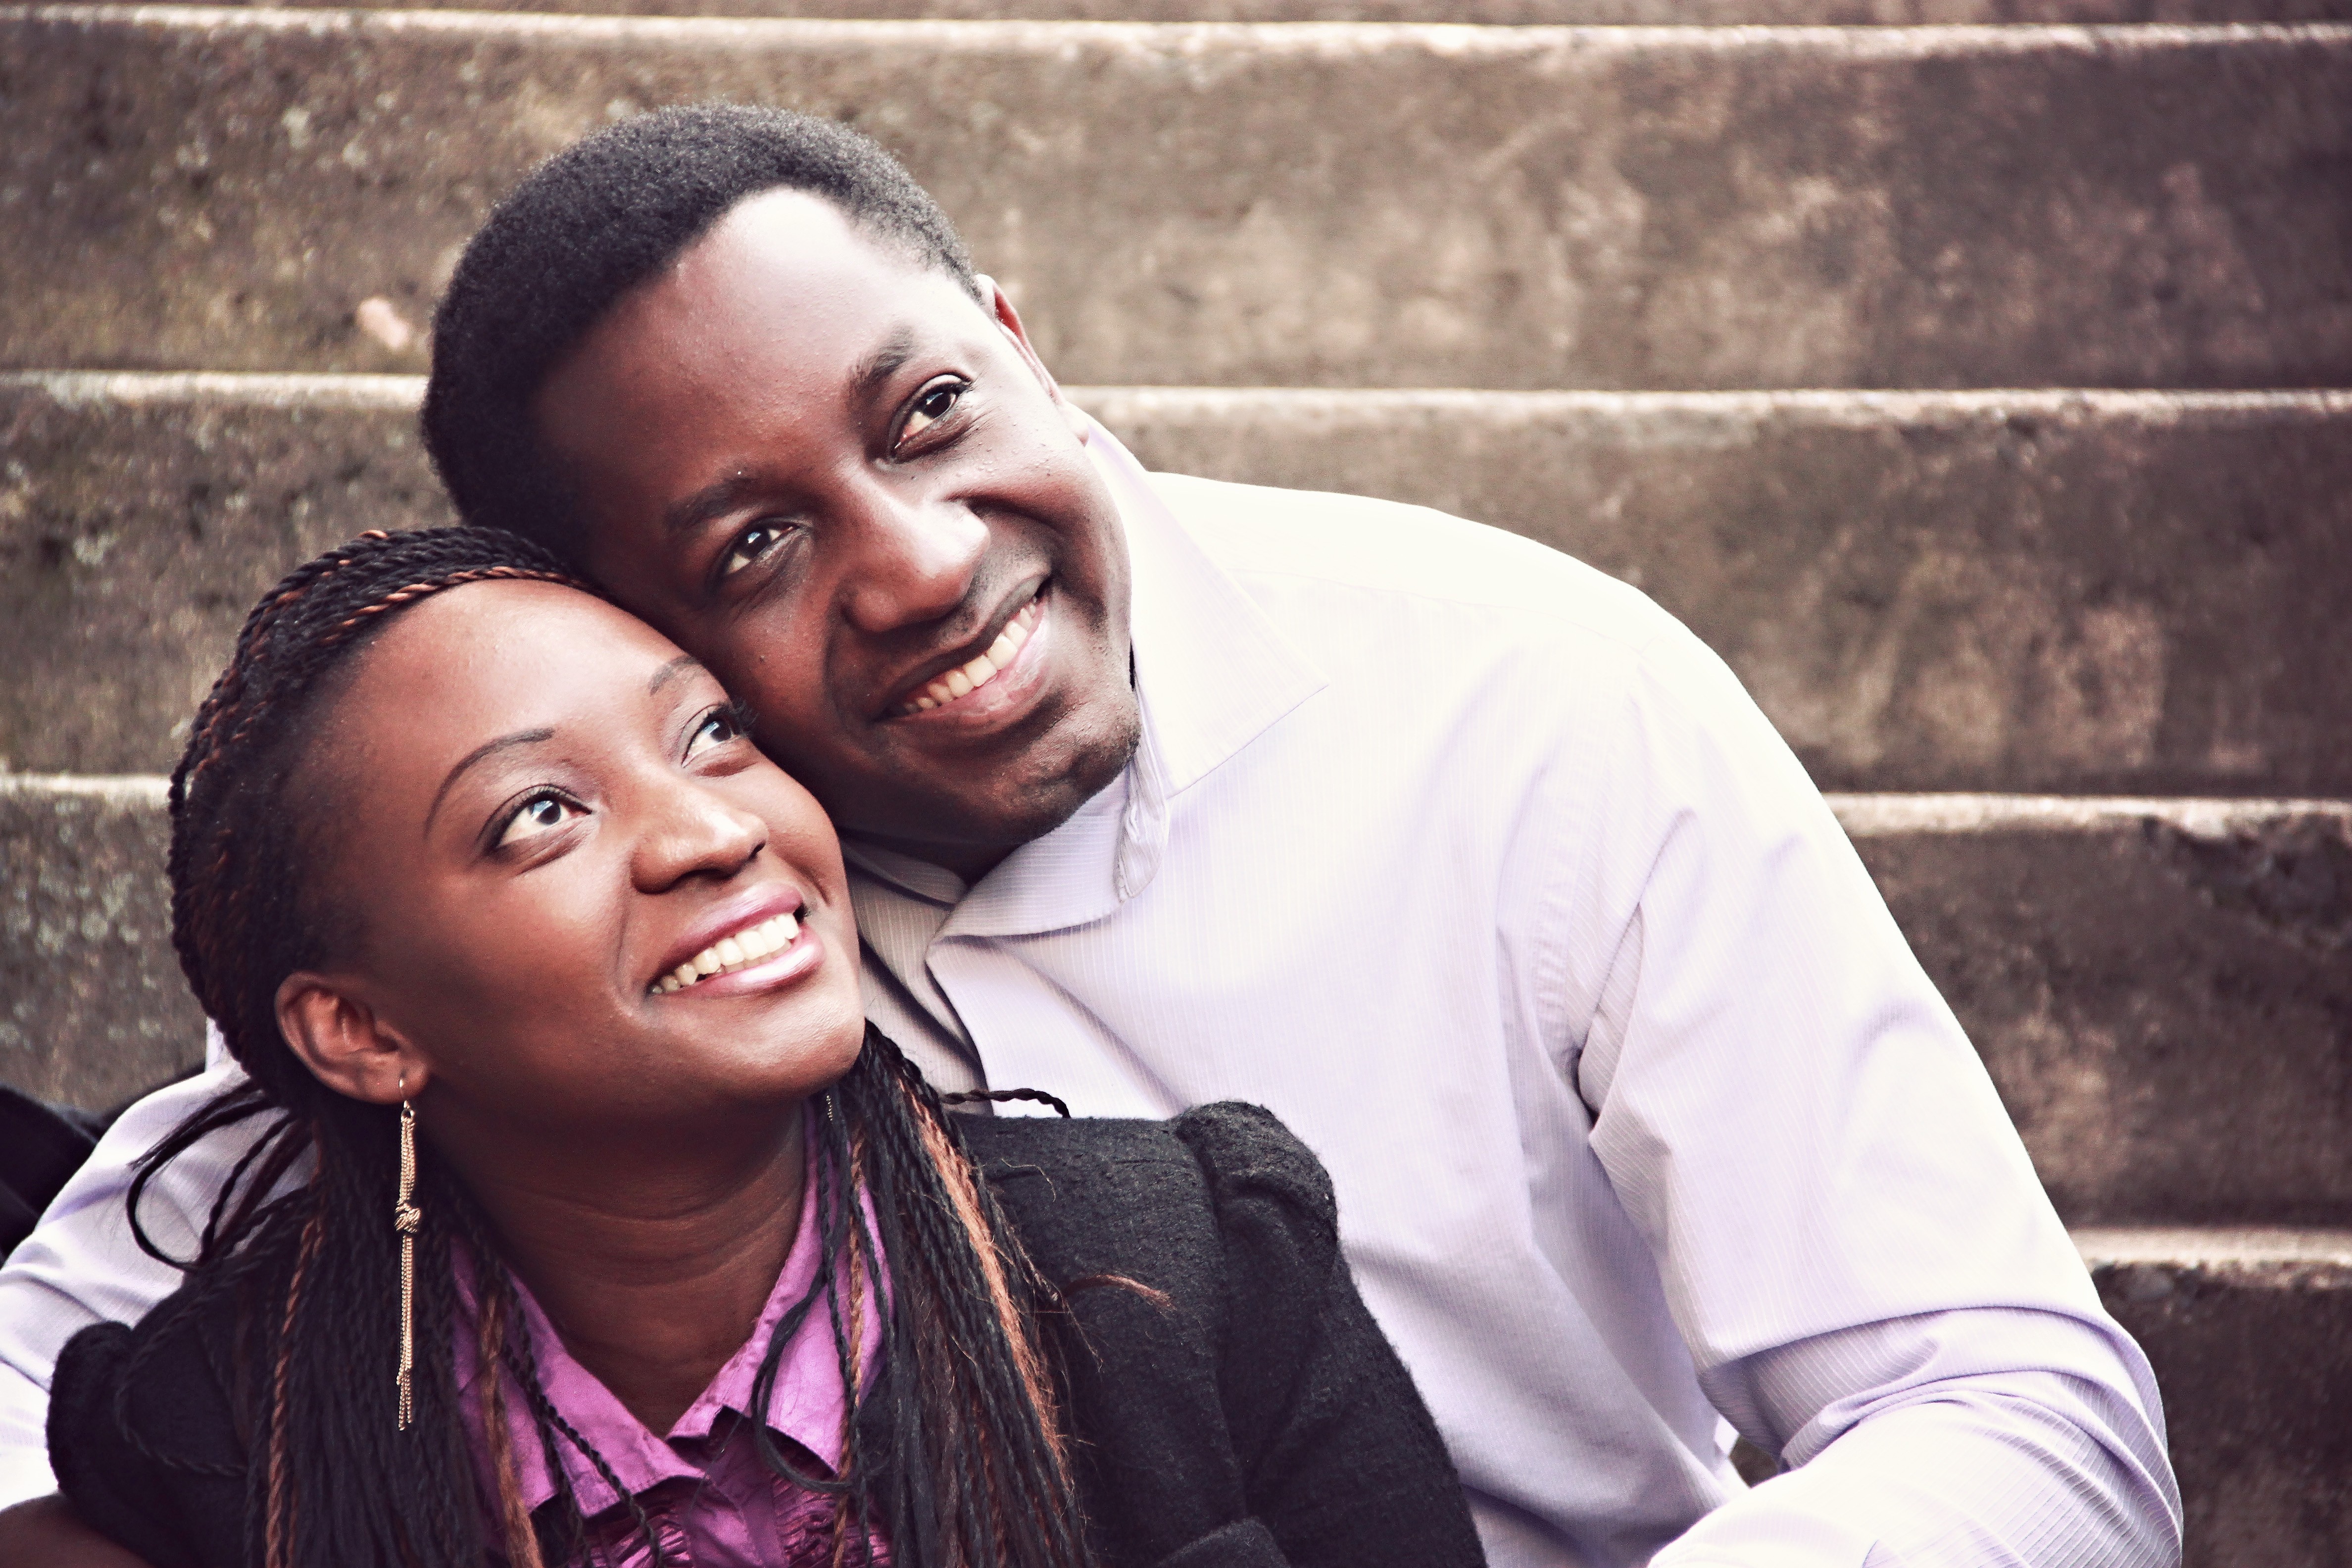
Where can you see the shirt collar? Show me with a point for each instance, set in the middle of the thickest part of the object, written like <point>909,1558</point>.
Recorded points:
<point>1211,666</point>
<point>1212,673</point>
<point>807,1403</point>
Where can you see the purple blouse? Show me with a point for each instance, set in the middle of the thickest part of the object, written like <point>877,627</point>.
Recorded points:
<point>713,1503</point>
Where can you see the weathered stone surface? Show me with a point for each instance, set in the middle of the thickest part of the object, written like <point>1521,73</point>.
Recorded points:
<point>2012,591</point>
<point>2137,592</point>
<point>1316,204</point>
<point>92,1005</point>
<point>2251,1337</point>
<point>2160,990</point>
<point>2174,1039</point>
<point>136,532</point>
<point>1502,13</point>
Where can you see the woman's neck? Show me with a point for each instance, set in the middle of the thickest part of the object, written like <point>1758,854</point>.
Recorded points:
<point>654,1283</point>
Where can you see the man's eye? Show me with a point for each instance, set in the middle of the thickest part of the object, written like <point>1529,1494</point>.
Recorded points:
<point>716,728</point>
<point>931,406</point>
<point>544,813</point>
<point>750,545</point>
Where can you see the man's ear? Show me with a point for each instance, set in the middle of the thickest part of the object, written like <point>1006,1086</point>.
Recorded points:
<point>1008,320</point>
<point>345,1044</point>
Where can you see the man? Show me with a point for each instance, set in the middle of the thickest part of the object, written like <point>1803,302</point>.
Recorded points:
<point>1466,861</point>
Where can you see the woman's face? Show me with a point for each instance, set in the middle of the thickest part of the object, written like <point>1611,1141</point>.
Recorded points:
<point>572,887</point>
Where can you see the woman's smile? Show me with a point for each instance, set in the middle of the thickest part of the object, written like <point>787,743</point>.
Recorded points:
<point>762,946</point>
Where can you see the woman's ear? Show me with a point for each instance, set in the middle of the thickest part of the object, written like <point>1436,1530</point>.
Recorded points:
<point>345,1044</point>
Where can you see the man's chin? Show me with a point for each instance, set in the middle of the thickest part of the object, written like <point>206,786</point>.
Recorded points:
<point>964,827</point>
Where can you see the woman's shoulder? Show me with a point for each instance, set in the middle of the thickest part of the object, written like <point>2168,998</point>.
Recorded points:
<point>1169,1202</point>
<point>143,1433</point>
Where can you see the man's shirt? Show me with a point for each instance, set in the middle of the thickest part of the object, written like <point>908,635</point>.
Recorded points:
<point>1483,873</point>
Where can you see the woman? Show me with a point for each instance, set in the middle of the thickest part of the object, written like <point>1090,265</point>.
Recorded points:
<point>599,1227</point>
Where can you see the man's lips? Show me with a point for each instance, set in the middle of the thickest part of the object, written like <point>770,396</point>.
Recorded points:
<point>977,671</point>
<point>751,926</point>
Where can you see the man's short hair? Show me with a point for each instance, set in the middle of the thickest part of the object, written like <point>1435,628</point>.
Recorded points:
<point>591,224</point>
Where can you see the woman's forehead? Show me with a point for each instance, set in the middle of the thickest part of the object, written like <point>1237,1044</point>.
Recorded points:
<point>503,620</point>
<point>484,659</point>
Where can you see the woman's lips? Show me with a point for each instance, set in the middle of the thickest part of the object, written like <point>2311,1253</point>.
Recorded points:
<point>733,935</point>
<point>784,966</point>
<point>737,951</point>
<point>975,674</point>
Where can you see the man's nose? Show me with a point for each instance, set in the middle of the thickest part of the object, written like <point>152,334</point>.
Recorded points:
<point>912,558</point>
<point>692,830</point>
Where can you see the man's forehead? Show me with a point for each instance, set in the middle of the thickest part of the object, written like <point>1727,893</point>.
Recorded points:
<point>794,240</point>
<point>785,279</point>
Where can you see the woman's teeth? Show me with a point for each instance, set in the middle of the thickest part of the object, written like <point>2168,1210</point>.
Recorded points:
<point>966,679</point>
<point>731,952</point>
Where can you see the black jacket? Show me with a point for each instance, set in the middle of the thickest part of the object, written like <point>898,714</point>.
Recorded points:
<point>1259,1418</point>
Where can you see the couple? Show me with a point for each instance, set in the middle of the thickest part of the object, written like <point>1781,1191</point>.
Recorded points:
<point>1644,1126</point>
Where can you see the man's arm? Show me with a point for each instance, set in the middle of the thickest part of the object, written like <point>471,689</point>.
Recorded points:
<point>81,1264</point>
<point>47,1531</point>
<point>1852,1241</point>
<point>1949,1452</point>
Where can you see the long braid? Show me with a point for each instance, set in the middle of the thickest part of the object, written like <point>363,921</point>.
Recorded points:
<point>280,1486</point>
<point>955,1455</point>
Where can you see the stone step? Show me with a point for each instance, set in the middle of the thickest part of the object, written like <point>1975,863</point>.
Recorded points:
<point>2159,987</point>
<point>93,1008</point>
<point>1241,204</point>
<point>1484,12</point>
<point>2137,593</point>
<point>2251,1335</point>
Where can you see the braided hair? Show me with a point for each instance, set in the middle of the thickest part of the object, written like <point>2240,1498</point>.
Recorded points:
<point>953,1450</point>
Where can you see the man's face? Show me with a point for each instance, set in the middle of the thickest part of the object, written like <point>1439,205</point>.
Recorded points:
<point>856,496</point>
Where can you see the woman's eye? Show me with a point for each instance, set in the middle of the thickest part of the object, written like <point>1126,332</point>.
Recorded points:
<point>544,815</point>
<point>750,545</point>
<point>931,406</point>
<point>717,727</point>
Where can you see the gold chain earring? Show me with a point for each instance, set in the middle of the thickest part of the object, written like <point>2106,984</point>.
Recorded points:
<point>405,1219</point>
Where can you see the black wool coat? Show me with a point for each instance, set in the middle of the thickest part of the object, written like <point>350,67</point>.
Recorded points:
<point>1255,1418</point>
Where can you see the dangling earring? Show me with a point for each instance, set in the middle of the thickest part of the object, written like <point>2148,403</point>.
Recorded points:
<point>405,1219</point>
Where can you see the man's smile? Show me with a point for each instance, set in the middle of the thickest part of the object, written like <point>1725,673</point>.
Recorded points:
<point>985,680</point>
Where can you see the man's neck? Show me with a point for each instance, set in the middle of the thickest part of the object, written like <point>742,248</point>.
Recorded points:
<point>654,1285</point>
<point>968,862</point>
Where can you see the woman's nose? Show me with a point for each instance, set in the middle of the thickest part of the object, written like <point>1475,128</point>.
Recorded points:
<point>910,562</point>
<point>695,831</point>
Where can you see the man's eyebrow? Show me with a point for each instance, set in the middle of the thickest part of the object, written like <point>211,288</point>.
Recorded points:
<point>670,672</point>
<point>488,748</point>
<point>711,500</point>
<point>884,363</point>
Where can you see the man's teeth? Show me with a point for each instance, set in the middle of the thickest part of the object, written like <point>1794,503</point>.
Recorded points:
<point>731,953</point>
<point>964,680</point>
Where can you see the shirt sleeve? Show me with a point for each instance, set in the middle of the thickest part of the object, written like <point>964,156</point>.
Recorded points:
<point>1853,1244</point>
<point>82,1265</point>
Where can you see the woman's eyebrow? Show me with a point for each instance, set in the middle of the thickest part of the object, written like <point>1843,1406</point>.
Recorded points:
<point>488,748</point>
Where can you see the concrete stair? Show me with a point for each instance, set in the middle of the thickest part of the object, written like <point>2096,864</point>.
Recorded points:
<point>1977,386</point>
<point>1288,205</point>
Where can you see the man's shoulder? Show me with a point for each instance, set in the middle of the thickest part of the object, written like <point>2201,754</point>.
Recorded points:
<point>1361,548</point>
